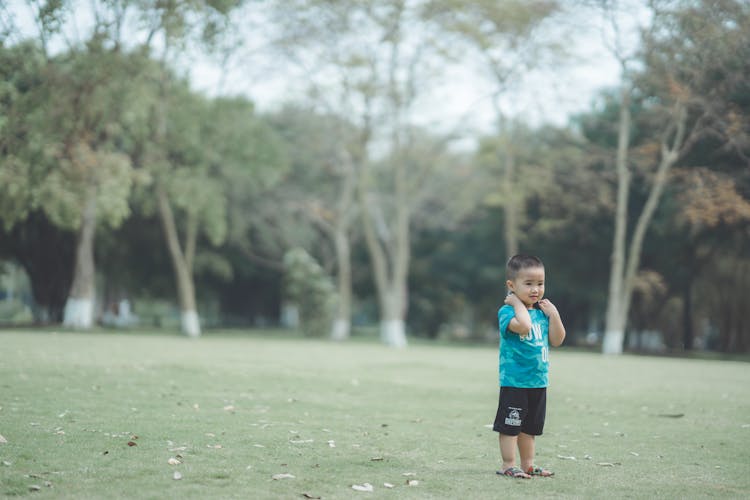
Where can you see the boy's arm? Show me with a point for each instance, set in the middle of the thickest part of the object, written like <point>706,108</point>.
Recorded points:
<point>556,327</point>
<point>521,322</point>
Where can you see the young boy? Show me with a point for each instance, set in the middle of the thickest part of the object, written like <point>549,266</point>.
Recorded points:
<point>529,324</point>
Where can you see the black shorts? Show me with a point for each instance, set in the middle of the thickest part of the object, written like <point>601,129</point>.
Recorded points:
<point>521,410</point>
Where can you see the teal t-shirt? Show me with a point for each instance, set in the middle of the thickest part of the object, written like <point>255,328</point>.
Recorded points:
<point>524,362</point>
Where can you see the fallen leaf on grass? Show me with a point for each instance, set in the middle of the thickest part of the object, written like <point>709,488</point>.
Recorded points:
<point>363,487</point>
<point>608,464</point>
<point>173,461</point>
<point>376,459</point>
<point>176,476</point>
<point>34,487</point>
<point>412,482</point>
<point>388,485</point>
<point>331,443</point>
<point>276,477</point>
<point>6,463</point>
<point>565,457</point>
<point>132,443</point>
<point>308,495</point>
<point>3,440</point>
<point>634,454</point>
<point>301,441</point>
<point>671,415</point>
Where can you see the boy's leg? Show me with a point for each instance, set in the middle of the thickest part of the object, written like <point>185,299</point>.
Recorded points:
<point>533,426</point>
<point>508,420</point>
<point>508,450</point>
<point>527,448</point>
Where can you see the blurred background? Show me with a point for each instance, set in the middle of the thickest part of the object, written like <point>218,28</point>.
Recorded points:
<point>366,167</point>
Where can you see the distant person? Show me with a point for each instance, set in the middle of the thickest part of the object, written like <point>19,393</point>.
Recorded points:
<point>529,324</point>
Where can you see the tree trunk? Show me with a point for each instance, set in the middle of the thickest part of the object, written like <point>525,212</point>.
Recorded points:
<point>341,236</point>
<point>616,318</point>
<point>392,324</point>
<point>392,308</point>
<point>182,264</point>
<point>79,308</point>
<point>342,322</point>
<point>511,204</point>
<point>688,332</point>
<point>620,307</point>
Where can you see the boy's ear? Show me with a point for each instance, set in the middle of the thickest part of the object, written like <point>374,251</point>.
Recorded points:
<point>509,285</point>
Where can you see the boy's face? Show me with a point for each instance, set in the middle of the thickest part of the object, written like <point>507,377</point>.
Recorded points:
<point>528,285</point>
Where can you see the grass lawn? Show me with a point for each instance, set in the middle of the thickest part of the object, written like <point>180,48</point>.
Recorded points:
<point>236,410</point>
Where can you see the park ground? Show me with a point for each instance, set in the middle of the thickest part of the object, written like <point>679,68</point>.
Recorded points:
<point>259,415</point>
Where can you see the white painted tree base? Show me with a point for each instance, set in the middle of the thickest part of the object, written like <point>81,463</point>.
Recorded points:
<point>290,315</point>
<point>191,325</point>
<point>612,342</point>
<point>341,330</point>
<point>79,313</point>
<point>393,333</point>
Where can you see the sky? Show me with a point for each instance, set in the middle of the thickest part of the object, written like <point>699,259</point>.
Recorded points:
<point>551,95</point>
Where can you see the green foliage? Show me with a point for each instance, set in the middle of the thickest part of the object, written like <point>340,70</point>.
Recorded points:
<point>308,287</point>
<point>14,312</point>
<point>64,136</point>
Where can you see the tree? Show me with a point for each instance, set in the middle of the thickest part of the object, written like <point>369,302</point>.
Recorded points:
<point>63,151</point>
<point>321,188</point>
<point>354,53</point>
<point>171,24</point>
<point>713,213</point>
<point>212,154</point>
<point>507,36</point>
<point>46,254</point>
<point>684,111</point>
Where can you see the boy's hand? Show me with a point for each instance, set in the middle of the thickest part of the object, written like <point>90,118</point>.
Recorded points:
<point>548,308</point>
<point>512,300</point>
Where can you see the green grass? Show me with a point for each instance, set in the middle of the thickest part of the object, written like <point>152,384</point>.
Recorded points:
<point>239,409</point>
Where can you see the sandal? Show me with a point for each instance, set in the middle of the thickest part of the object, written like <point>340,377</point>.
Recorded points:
<point>539,471</point>
<point>514,472</point>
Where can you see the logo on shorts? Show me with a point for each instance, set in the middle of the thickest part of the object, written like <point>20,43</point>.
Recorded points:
<point>514,418</point>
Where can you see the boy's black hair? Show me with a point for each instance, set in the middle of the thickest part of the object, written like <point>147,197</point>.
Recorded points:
<point>519,262</point>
